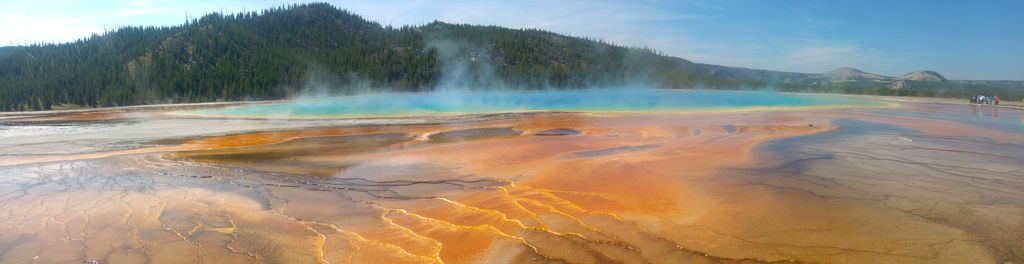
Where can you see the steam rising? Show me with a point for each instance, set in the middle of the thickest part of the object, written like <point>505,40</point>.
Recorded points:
<point>469,83</point>
<point>465,67</point>
<point>457,102</point>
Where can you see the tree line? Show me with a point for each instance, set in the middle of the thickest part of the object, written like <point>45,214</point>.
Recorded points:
<point>277,52</point>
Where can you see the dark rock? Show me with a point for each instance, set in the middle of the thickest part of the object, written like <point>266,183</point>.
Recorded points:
<point>558,132</point>
<point>474,133</point>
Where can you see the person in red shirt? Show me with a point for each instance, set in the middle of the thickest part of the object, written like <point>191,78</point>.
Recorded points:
<point>997,99</point>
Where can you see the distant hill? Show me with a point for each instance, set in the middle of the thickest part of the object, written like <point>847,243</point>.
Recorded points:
<point>923,76</point>
<point>279,52</point>
<point>918,83</point>
<point>852,75</point>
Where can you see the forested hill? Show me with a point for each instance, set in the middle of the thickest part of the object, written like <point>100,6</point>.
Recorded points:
<point>276,53</point>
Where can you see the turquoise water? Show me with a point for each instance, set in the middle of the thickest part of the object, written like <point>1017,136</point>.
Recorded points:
<point>603,100</point>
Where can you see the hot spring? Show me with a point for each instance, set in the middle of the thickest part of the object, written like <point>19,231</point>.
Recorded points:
<point>470,102</point>
<point>828,179</point>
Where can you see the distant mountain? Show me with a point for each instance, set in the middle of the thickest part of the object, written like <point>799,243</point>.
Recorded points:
<point>855,81</point>
<point>852,75</point>
<point>923,76</point>
<point>279,52</point>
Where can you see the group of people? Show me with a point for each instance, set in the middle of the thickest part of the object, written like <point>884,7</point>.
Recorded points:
<point>982,99</point>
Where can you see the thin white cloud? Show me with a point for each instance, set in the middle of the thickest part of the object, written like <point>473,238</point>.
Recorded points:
<point>620,22</point>
<point>645,23</point>
<point>142,11</point>
<point>21,29</point>
<point>823,55</point>
<point>821,58</point>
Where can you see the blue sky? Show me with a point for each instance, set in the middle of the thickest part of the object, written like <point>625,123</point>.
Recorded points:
<point>960,39</point>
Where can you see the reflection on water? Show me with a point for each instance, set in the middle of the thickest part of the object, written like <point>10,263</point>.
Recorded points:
<point>985,111</point>
<point>1006,119</point>
<point>9,130</point>
<point>967,188</point>
<point>895,185</point>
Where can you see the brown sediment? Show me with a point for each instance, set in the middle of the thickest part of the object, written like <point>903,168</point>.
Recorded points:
<point>664,189</point>
<point>100,115</point>
<point>602,179</point>
<point>473,133</point>
<point>289,153</point>
<point>558,132</point>
<point>609,151</point>
<point>28,159</point>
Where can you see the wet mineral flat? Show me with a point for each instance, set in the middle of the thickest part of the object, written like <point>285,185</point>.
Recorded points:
<point>916,183</point>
